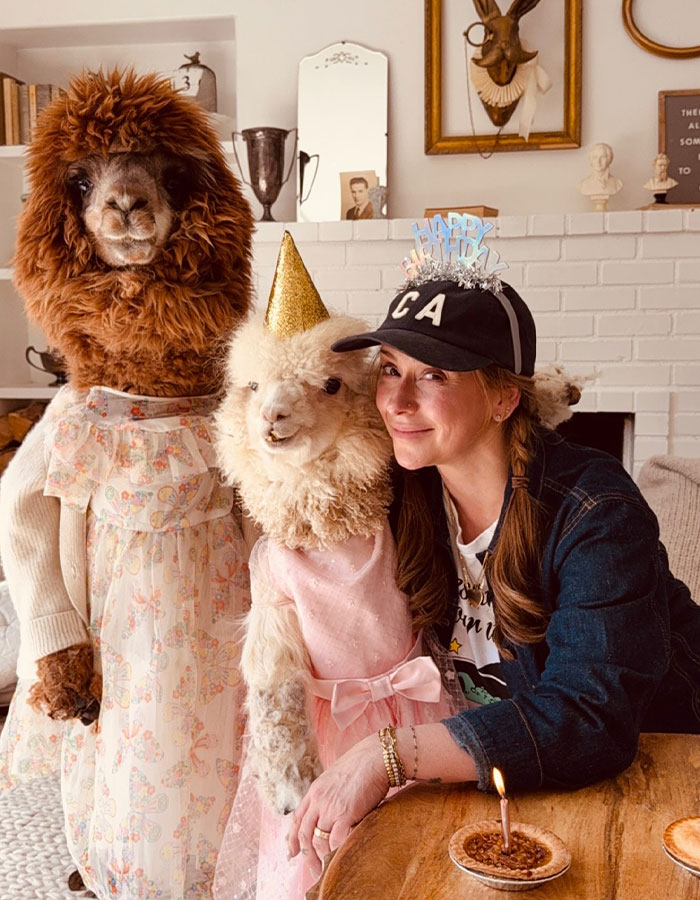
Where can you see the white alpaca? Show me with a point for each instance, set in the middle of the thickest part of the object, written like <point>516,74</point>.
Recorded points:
<point>300,436</point>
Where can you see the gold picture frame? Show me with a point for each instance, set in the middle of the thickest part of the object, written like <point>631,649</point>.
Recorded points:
<point>568,138</point>
<point>650,45</point>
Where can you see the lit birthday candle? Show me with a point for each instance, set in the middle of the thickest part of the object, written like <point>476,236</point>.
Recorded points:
<point>505,815</point>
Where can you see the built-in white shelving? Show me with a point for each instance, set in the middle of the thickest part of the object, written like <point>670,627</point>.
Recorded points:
<point>27,392</point>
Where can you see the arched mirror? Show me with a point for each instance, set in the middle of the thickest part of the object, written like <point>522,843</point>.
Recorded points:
<point>342,121</point>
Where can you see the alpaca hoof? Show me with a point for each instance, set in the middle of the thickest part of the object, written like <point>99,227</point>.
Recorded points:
<point>87,709</point>
<point>75,881</point>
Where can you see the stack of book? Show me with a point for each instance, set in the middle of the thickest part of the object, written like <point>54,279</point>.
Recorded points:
<point>20,104</point>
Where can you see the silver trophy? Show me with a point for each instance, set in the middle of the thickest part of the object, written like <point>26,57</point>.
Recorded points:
<point>266,147</point>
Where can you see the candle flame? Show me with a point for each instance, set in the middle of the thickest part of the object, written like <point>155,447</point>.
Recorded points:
<point>498,782</point>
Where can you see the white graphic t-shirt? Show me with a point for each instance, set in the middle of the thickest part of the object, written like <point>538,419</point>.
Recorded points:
<point>472,649</point>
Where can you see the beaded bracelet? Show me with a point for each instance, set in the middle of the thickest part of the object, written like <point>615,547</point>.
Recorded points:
<point>392,761</point>
<point>415,753</point>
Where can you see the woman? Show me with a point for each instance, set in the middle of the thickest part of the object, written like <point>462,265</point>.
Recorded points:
<point>564,622</point>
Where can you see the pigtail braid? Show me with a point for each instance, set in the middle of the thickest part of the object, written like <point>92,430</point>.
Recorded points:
<point>513,568</point>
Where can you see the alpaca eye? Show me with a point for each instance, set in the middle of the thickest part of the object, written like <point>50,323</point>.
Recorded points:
<point>253,385</point>
<point>176,183</point>
<point>173,186</point>
<point>80,183</point>
<point>332,386</point>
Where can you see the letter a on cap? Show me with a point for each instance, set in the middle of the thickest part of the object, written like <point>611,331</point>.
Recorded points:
<point>433,310</point>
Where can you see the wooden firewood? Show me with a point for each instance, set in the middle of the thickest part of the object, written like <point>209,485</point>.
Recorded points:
<point>21,420</point>
<point>5,432</point>
<point>5,457</point>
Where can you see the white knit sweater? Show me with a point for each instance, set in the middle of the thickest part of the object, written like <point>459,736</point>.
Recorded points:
<point>43,551</point>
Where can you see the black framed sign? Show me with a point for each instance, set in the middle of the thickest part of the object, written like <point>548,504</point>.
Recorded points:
<point>679,139</point>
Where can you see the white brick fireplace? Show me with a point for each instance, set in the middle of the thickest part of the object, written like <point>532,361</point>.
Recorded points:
<point>615,295</point>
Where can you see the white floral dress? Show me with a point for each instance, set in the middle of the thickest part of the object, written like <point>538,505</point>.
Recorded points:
<point>147,790</point>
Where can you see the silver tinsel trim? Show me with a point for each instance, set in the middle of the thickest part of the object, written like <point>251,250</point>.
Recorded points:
<point>466,275</point>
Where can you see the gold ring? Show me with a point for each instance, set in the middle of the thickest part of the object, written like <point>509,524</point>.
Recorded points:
<point>319,832</point>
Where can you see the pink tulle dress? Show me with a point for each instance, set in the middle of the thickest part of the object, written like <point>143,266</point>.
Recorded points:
<point>370,670</point>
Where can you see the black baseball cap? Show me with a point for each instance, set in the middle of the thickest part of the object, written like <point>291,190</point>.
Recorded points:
<point>455,328</point>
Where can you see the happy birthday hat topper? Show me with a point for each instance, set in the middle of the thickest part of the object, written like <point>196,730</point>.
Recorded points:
<point>453,249</point>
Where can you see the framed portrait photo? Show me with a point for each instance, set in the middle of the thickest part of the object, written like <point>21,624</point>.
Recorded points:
<point>475,102</point>
<point>358,195</point>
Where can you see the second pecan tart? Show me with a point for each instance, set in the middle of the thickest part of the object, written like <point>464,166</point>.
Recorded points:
<point>682,841</point>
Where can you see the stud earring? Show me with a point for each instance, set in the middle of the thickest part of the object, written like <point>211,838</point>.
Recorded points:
<point>498,417</point>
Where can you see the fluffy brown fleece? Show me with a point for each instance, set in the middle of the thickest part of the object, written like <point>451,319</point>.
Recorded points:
<point>68,687</point>
<point>155,329</point>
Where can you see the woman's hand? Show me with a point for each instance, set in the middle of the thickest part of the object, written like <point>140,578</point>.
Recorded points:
<point>357,782</point>
<point>337,800</point>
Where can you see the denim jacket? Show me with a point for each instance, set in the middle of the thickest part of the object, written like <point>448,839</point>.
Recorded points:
<point>622,649</point>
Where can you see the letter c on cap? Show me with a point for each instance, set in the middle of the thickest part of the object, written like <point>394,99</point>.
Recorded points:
<point>401,309</point>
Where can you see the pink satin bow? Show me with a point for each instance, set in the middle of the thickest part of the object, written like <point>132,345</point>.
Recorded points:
<point>416,679</point>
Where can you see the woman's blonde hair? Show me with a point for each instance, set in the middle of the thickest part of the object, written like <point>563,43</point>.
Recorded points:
<point>513,568</point>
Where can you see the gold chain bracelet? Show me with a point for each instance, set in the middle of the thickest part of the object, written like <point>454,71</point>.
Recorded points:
<point>392,761</point>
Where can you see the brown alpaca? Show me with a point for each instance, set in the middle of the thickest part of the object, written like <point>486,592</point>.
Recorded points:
<point>147,320</point>
<point>143,308</point>
<point>133,256</point>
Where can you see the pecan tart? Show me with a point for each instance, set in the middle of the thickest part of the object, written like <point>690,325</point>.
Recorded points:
<point>536,854</point>
<point>682,842</point>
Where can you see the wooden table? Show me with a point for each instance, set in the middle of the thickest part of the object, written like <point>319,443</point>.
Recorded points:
<point>613,829</point>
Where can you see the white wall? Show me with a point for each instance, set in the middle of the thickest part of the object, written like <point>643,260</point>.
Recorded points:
<point>620,85</point>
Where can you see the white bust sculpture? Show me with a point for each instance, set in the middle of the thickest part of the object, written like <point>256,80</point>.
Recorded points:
<point>600,184</point>
<point>661,182</point>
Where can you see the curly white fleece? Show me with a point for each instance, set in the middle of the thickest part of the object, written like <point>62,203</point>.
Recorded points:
<point>319,498</point>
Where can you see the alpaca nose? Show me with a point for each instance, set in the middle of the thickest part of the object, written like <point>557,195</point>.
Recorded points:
<point>125,202</point>
<point>278,402</point>
<point>272,413</point>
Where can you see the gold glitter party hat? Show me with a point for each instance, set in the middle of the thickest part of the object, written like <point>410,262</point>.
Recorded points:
<point>294,305</point>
